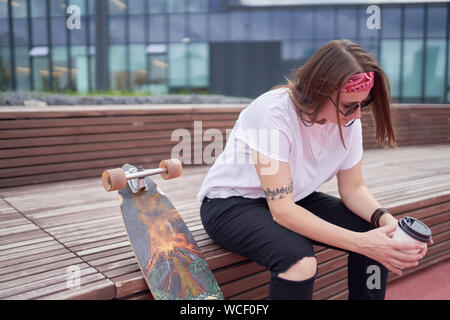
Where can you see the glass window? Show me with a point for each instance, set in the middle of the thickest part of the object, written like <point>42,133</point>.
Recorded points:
<point>5,69</point>
<point>80,69</point>
<point>136,29</point>
<point>20,27</point>
<point>414,24</point>
<point>60,68</point>
<point>302,51</point>
<point>281,28</point>
<point>346,23</point>
<point>118,67</point>
<point>177,27</point>
<point>39,31</point>
<point>177,65</point>
<point>434,70</point>
<point>92,30</point>
<point>259,25</point>
<point>324,23</point>
<point>199,65</point>
<point>3,9</point>
<point>303,24</point>
<point>197,5</point>
<point>138,67</point>
<point>136,6</point>
<point>216,5</point>
<point>23,70</point>
<point>158,72</point>
<point>117,7</point>
<point>58,31</point>
<point>20,9</point>
<point>364,31</point>
<point>390,62</point>
<point>219,26</point>
<point>286,50</point>
<point>198,25</point>
<point>412,70</point>
<point>78,36</point>
<point>437,21</point>
<point>41,75</point>
<point>4,32</point>
<point>447,90</point>
<point>371,46</point>
<point>58,8</point>
<point>176,6</point>
<point>117,29</point>
<point>157,25</point>
<point>38,8</point>
<point>91,7</point>
<point>92,73</point>
<point>81,4</point>
<point>239,26</point>
<point>390,22</point>
<point>156,6</point>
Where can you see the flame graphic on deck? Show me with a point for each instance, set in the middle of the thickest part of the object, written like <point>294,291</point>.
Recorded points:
<point>168,244</point>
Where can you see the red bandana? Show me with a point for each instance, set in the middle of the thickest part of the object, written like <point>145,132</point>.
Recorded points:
<point>359,82</point>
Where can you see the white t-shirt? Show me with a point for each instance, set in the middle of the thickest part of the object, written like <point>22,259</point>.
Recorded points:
<point>271,126</point>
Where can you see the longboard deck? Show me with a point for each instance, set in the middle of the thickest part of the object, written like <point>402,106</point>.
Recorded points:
<point>168,255</point>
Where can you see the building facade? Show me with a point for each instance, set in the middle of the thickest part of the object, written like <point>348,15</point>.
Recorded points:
<point>232,47</point>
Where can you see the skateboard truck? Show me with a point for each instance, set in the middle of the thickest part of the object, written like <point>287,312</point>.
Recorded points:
<point>116,179</point>
<point>137,184</point>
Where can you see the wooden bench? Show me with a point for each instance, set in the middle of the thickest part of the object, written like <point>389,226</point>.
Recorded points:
<point>48,227</point>
<point>45,228</point>
<point>59,143</point>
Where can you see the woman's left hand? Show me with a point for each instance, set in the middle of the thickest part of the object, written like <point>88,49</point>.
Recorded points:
<point>387,219</point>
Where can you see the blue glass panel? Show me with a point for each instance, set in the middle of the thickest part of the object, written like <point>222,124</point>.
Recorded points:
<point>177,30</point>
<point>117,29</point>
<point>198,25</point>
<point>434,70</point>
<point>324,23</point>
<point>412,69</point>
<point>136,28</point>
<point>260,27</point>
<point>303,24</point>
<point>390,62</point>
<point>157,24</point>
<point>414,22</point>
<point>390,22</point>
<point>346,22</point>
<point>239,26</point>
<point>437,21</point>
<point>39,31</point>
<point>219,27</point>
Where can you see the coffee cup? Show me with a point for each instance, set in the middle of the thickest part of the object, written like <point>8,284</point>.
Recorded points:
<point>412,230</point>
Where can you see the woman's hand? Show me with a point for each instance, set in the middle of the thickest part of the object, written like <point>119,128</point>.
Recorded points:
<point>388,219</point>
<point>378,245</point>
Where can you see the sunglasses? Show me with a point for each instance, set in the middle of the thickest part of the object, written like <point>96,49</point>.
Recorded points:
<point>351,109</point>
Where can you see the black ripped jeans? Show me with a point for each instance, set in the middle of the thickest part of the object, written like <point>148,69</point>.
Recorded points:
<point>245,226</point>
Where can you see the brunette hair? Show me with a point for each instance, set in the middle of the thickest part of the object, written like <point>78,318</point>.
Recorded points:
<point>329,68</point>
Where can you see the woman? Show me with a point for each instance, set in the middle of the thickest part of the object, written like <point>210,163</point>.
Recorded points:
<point>293,139</point>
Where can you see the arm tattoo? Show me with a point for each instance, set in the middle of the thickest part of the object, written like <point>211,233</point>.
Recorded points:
<point>279,193</point>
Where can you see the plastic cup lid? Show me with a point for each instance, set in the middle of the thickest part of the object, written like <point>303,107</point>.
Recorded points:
<point>415,229</point>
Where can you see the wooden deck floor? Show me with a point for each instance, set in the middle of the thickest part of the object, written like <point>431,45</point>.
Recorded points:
<point>46,228</point>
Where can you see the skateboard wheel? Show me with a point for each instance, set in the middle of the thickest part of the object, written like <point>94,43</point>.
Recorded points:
<point>173,166</point>
<point>114,179</point>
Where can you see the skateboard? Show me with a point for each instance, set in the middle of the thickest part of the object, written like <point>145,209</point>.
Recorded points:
<point>167,253</point>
